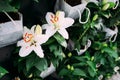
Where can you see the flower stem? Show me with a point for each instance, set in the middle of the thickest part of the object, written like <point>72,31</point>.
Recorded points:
<point>80,37</point>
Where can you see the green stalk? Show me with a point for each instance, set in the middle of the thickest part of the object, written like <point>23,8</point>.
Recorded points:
<point>80,37</point>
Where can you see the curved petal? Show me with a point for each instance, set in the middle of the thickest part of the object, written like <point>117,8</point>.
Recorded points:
<point>20,43</point>
<point>33,29</point>
<point>66,22</point>
<point>50,31</point>
<point>24,51</point>
<point>64,33</point>
<point>46,26</point>
<point>60,15</point>
<point>38,30</point>
<point>48,17</point>
<point>38,50</point>
<point>41,39</point>
<point>26,30</point>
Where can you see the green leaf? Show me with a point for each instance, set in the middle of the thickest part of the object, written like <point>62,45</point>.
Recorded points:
<point>92,5</point>
<point>41,64</point>
<point>64,72</point>
<point>5,6</point>
<point>84,58</point>
<point>36,1</point>
<point>79,64</point>
<point>102,61</point>
<point>106,14</point>
<point>111,4</point>
<point>60,40</point>
<point>91,72</point>
<point>50,41</point>
<point>110,52</point>
<point>30,62</point>
<point>2,71</point>
<point>79,72</point>
<point>56,50</point>
<point>55,62</point>
<point>77,45</point>
<point>15,3</point>
<point>92,65</point>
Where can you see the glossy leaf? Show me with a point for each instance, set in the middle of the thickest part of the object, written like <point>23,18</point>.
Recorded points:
<point>2,71</point>
<point>60,40</point>
<point>79,72</point>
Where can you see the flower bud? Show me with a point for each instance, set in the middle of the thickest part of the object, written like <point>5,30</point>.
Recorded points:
<point>92,58</point>
<point>69,54</point>
<point>38,30</point>
<point>68,66</point>
<point>81,78</point>
<point>105,7</point>
<point>95,17</point>
<point>105,45</point>
<point>102,51</point>
<point>30,76</point>
<point>114,48</point>
<point>108,76</point>
<point>72,68</point>
<point>104,1</point>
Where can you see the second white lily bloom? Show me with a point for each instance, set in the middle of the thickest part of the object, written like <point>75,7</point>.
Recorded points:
<point>32,40</point>
<point>57,22</point>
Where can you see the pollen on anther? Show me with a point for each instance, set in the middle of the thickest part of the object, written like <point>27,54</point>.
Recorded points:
<point>56,19</point>
<point>52,16</point>
<point>51,20</point>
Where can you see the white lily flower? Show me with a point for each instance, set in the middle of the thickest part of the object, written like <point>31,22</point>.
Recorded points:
<point>32,39</point>
<point>73,12</point>
<point>57,22</point>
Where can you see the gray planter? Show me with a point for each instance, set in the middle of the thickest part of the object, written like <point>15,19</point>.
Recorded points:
<point>11,28</point>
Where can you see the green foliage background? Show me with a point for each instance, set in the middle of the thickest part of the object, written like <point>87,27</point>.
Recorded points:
<point>70,66</point>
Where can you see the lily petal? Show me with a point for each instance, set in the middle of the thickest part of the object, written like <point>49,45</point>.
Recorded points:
<point>48,17</point>
<point>26,30</point>
<point>64,33</point>
<point>38,50</point>
<point>20,43</point>
<point>38,30</point>
<point>41,38</point>
<point>50,31</point>
<point>66,22</point>
<point>24,51</point>
<point>33,29</point>
<point>60,14</point>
